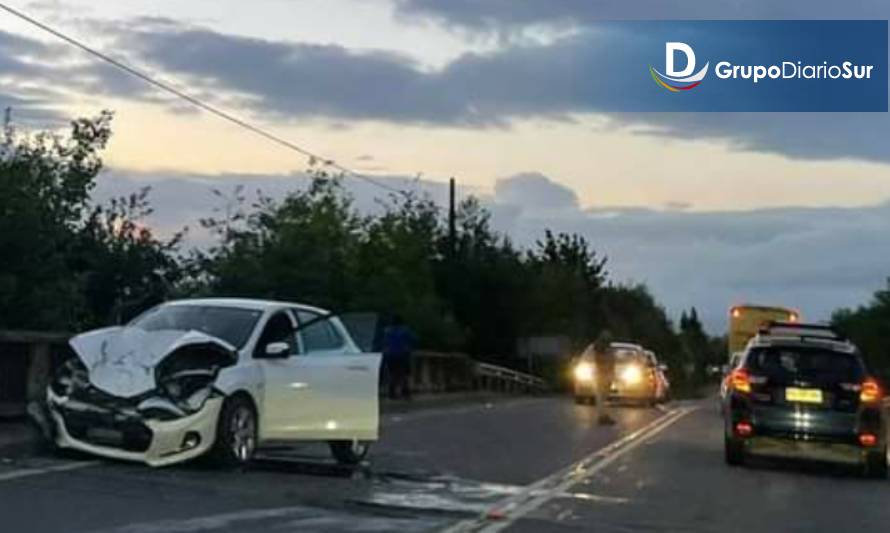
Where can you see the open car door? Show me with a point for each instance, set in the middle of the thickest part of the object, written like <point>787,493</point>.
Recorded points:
<point>339,400</point>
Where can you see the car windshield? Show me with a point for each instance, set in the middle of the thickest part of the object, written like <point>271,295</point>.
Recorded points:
<point>624,355</point>
<point>231,324</point>
<point>784,363</point>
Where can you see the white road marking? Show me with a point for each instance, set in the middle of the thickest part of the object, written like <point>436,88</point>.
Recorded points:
<point>555,485</point>
<point>30,472</point>
<point>396,418</point>
<point>287,519</point>
<point>594,497</point>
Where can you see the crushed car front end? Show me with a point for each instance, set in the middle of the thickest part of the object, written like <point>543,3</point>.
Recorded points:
<point>120,431</point>
<point>113,400</point>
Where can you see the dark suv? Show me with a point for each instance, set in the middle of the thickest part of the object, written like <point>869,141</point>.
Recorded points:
<point>803,391</point>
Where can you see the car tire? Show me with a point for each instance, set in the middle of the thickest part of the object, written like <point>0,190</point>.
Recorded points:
<point>582,400</point>
<point>875,465</point>
<point>236,433</point>
<point>734,451</point>
<point>349,452</point>
<point>42,430</point>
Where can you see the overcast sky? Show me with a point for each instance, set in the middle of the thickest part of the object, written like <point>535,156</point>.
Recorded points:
<point>709,209</point>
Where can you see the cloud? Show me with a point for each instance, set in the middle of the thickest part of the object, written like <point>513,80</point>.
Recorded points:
<point>286,81</point>
<point>506,15</point>
<point>39,79</point>
<point>819,136</point>
<point>559,79</point>
<point>678,205</point>
<point>532,191</point>
<point>295,79</point>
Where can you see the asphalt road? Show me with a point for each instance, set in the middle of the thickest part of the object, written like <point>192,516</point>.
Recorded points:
<point>528,465</point>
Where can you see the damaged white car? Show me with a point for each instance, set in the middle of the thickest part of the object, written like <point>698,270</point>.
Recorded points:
<point>219,376</point>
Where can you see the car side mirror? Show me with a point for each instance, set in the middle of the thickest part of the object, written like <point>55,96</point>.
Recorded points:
<point>277,350</point>
<point>725,369</point>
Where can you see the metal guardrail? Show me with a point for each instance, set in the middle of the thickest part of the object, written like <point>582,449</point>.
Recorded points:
<point>27,359</point>
<point>511,379</point>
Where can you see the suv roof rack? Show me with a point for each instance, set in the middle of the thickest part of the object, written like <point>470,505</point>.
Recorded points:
<point>796,329</point>
<point>776,331</point>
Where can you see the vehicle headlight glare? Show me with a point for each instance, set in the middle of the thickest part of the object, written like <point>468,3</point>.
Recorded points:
<point>584,372</point>
<point>632,375</point>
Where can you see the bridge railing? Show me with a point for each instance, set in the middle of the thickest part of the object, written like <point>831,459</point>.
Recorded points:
<point>27,359</point>
<point>509,380</point>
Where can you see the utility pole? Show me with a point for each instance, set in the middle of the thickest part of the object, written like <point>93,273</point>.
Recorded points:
<point>452,223</point>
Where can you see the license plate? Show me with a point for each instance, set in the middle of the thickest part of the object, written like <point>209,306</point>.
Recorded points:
<point>793,394</point>
<point>106,435</point>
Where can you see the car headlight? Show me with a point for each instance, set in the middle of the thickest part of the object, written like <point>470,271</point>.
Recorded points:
<point>584,372</point>
<point>183,384</point>
<point>188,389</point>
<point>631,374</point>
<point>70,376</point>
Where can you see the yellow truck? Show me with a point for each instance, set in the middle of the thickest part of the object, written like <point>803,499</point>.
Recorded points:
<point>746,320</point>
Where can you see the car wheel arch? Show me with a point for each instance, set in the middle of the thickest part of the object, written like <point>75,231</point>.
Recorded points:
<point>248,397</point>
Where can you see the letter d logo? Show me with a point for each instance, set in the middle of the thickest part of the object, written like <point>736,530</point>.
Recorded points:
<point>670,50</point>
<point>673,80</point>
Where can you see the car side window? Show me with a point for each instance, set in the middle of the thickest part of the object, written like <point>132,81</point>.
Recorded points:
<point>320,336</point>
<point>279,328</point>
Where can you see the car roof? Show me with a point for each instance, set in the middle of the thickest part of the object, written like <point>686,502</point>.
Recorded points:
<point>763,341</point>
<point>245,303</point>
<point>626,346</point>
<point>797,334</point>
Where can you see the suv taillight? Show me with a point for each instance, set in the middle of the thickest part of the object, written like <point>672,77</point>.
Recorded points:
<point>870,392</point>
<point>740,380</point>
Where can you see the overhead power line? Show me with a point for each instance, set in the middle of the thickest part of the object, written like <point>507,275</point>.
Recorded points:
<point>197,102</point>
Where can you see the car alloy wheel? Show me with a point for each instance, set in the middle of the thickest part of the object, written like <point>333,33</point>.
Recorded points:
<point>236,435</point>
<point>243,433</point>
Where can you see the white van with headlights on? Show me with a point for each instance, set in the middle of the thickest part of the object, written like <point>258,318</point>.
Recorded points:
<point>215,376</point>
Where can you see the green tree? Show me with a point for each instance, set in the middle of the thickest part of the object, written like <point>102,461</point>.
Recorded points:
<point>568,277</point>
<point>68,264</point>
<point>868,326</point>
<point>696,344</point>
<point>123,266</point>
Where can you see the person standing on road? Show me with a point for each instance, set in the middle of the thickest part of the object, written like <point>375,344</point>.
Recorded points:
<point>398,343</point>
<point>603,375</point>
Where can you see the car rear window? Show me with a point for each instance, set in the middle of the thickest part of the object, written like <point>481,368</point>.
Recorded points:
<point>623,355</point>
<point>784,363</point>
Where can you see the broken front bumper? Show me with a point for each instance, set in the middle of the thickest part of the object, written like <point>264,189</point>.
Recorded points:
<point>93,429</point>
